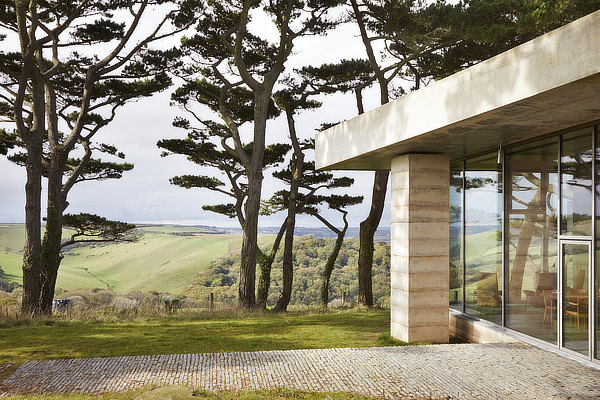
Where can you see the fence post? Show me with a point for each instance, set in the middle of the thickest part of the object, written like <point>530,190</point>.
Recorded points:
<point>212,301</point>
<point>344,298</point>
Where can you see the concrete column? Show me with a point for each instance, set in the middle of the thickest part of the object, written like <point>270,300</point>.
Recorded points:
<point>419,264</point>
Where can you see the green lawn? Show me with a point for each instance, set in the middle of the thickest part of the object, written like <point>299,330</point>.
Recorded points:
<point>204,333</point>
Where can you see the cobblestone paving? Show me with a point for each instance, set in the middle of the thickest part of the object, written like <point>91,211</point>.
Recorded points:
<point>464,371</point>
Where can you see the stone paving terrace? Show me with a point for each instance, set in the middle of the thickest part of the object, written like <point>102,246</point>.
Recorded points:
<point>463,371</point>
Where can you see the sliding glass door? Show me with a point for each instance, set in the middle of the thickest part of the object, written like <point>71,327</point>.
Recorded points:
<point>573,298</point>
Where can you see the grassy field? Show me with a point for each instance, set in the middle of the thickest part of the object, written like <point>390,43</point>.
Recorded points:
<point>200,333</point>
<point>165,259</point>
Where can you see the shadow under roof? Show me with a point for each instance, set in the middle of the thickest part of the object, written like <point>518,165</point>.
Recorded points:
<point>542,86</point>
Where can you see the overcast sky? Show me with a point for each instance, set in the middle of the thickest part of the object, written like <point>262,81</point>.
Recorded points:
<point>145,194</point>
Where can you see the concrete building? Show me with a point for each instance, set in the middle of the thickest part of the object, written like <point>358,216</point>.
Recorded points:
<point>495,191</point>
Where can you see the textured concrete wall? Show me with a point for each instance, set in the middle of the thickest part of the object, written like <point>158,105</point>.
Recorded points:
<point>478,331</point>
<point>419,265</point>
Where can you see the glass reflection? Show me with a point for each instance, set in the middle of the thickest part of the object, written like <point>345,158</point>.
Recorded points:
<point>456,237</point>
<point>532,238</point>
<point>575,296</point>
<point>597,285</point>
<point>483,238</point>
<point>576,171</point>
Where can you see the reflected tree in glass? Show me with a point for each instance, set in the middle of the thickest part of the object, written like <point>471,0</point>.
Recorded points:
<point>532,196</point>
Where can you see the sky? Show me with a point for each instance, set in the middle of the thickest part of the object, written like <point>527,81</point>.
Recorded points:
<point>145,195</point>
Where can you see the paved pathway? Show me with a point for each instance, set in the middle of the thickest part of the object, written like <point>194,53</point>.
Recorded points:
<point>459,371</point>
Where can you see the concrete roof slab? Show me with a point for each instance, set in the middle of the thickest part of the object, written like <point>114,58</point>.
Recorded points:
<point>542,86</point>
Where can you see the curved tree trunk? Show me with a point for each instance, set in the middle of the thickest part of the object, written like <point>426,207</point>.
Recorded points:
<point>288,257</point>
<point>328,269</point>
<point>368,227</point>
<point>246,297</point>
<point>517,271</point>
<point>265,261</point>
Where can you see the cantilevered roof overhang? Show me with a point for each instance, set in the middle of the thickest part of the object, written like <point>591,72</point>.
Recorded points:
<point>542,86</point>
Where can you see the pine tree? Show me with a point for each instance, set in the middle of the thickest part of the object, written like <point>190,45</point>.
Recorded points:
<point>77,63</point>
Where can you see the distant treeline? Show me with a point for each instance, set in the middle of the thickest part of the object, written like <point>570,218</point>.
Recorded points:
<point>382,233</point>
<point>310,254</point>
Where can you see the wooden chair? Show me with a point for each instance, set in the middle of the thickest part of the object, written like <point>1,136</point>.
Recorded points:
<point>576,308</point>
<point>544,281</point>
<point>549,305</point>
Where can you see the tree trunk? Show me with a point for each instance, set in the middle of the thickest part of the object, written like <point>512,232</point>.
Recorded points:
<point>246,297</point>
<point>328,269</point>
<point>288,258</point>
<point>525,235</point>
<point>51,258</point>
<point>33,139</point>
<point>288,263</point>
<point>265,261</point>
<point>33,227</point>
<point>368,227</point>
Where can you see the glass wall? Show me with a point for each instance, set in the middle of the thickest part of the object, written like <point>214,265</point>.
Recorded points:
<point>510,276</point>
<point>456,237</point>
<point>596,291</point>
<point>576,221</point>
<point>483,238</point>
<point>576,171</point>
<point>532,206</point>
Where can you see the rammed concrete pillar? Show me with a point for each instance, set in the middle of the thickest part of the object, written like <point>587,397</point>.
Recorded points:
<point>419,264</point>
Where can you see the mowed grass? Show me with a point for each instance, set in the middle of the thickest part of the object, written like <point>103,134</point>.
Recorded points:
<point>204,333</point>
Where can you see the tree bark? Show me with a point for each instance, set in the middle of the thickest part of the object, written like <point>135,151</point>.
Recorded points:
<point>288,258</point>
<point>265,261</point>
<point>328,269</point>
<point>51,243</point>
<point>370,224</point>
<point>33,227</point>
<point>368,227</point>
<point>246,296</point>
<point>33,139</point>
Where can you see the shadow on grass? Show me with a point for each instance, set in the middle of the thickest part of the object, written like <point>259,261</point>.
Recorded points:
<point>60,339</point>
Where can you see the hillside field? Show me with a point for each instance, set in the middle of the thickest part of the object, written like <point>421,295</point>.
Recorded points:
<point>165,259</point>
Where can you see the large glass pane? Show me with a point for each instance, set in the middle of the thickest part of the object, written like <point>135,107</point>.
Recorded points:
<point>532,201</point>
<point>575,296</point>
<point>483,238</point>
<point>576,170</point>
<point>456,237</point>
<point>596,291</point>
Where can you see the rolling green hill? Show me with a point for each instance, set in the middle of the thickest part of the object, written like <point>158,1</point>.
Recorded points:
<point>165,259</point>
